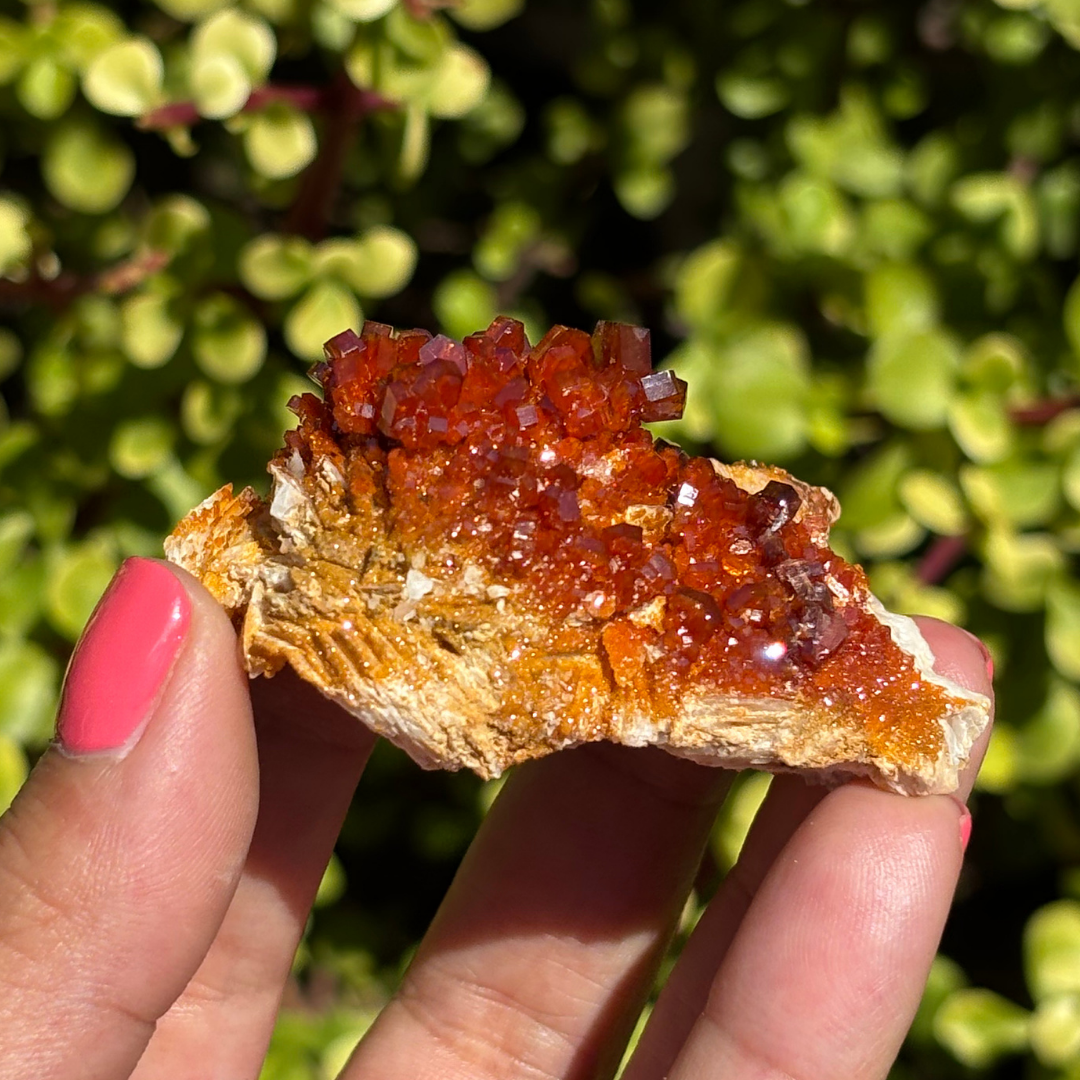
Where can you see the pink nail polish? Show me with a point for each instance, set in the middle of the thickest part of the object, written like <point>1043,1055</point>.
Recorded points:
<point>965,829</point>
<point>122,659</point>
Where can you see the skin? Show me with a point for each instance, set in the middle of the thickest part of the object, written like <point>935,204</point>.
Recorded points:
<point>151,903</point>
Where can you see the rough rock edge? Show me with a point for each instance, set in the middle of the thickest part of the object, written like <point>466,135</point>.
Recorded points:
<point>228,543</point>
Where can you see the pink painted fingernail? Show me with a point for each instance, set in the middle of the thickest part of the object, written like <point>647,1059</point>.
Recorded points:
<point>965,829</point>
<point>122,659</point>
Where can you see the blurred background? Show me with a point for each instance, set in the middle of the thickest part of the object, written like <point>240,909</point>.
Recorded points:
<point>853,227</point>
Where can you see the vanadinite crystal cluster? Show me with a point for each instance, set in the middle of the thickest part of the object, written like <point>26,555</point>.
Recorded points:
<point>498,536</point>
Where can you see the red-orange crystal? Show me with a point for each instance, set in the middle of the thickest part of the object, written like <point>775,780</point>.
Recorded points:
<point>533,463</point>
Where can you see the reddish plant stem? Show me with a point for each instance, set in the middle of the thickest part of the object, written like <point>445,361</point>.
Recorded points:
<point>344,106</point>
<point>61,290</point>
<point>1042,412</point>
<point>941,558</point>
<point>308,99</point>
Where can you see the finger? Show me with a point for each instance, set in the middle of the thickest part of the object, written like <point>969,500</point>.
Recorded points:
<point>311,755</point>
<point>827,967</point>
<point>546,945</point>
<point>121,853</point>
<point>787,804</point>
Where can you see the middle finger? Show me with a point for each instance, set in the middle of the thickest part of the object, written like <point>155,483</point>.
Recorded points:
<point>547,943</point>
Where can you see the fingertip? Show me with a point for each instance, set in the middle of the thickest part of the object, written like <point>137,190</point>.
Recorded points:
<point>962,657</point>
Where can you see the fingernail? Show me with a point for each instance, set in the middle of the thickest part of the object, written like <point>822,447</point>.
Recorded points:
<point>122,659</point>
<point>965,829</point>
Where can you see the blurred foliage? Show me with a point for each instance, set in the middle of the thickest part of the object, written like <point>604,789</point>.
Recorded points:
<point>854,228</point>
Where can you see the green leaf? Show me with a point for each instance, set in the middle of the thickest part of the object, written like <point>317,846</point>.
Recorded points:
<point>78,575</point>
<point>13,49</point>
<point>1017,493</point>
<point>234,34</point>
<point>480,15</point>
<point>208,411</point>
<point>1020,568</point>
<point>706,280</point>
<point>126,79</point>
<point>29,684</point>
<point>276,267</point>
<point>150,329</point>
<point>737,816</point>
<point>900,298</point>
<point>869,494</point>
<point>280,141</point>
<point>459,82</point>
<point>463,303</point>
<point>817,218</point>
<point>645,191</point>
<point>510,230</point>
<point>219,86</point>
<point>14,768</point>
<point>978,1027</point>
<point>1015,38</point>
<point>333,884</point>
<point>1063,629</point>
<point>760,385</point>
<point>751,97</point>
<point>83,30</point>
<point>1048,746</point>
<point>190,10</point>
<point>979,422</point>
<point>1001,198</point>
<point>228,343</point>
<point>382,263</point>
<point>86,168</point>
<point>52,378</point>
<point>934,501</point>
<point>175,223</point>
<point>141,446</point>
<point>1055,1030</point>
<point>911,377</point>
<point>15,242</point>
<point>46,88</point>
<point>1052,950</point>
<point>16,529</point>
<point>326,309</point>
<point>364,10</point>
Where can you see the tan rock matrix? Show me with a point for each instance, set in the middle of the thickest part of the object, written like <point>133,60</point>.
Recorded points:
<point>478,550</point>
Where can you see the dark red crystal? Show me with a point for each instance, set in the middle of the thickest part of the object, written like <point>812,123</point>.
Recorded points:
<point>532,462</point>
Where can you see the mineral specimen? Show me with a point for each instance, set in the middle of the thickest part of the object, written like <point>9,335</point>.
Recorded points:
<point>478,550</point>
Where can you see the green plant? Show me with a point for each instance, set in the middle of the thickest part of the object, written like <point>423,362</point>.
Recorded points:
<point>853,229</point>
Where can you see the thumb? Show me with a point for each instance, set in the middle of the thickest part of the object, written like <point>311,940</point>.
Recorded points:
<point>121,853</point>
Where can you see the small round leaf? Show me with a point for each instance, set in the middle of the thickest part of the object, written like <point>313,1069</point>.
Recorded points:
<point>86,168</point>
<point>125,80</point>
<point>326,309</point>
<point>228,343</point>
<point>280,141</point>
<point>219,86</point>
<point>244,38</point>
<point>276,267</point>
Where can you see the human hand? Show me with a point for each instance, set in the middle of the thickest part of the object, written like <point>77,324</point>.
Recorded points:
<point>157,869</point>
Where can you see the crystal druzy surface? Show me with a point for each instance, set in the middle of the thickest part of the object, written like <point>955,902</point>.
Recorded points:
<point>532,464</point>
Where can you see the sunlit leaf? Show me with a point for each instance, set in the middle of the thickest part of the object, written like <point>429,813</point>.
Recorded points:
<point>912,375</point>
<point>1052,950</point>
<point>978,1027</point>
<point>86,168</point>
<point>326,309</point>
<point>126,79</point>
<point>280,141</point>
